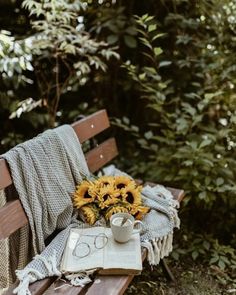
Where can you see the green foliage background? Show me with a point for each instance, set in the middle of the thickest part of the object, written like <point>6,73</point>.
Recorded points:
<point>166,73</point>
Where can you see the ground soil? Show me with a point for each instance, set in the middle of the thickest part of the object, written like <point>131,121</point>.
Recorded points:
<point>191,279</point>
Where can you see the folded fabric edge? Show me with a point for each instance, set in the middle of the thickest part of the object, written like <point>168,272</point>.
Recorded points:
<point>28,276</point>
<point>81,278</point>
<point>158,248</point>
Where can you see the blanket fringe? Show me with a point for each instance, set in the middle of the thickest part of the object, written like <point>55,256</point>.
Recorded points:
<point>28,275</point>
<point>158,248</point>
<point>79,279</point>
<point>175,217</point>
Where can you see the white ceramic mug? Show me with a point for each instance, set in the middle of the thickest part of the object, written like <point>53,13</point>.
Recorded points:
<point>122,233</point>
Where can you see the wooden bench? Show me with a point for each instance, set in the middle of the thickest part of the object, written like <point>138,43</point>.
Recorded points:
<point>13,217</point>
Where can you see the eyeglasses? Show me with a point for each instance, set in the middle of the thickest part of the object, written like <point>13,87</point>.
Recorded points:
<point>83,249</point>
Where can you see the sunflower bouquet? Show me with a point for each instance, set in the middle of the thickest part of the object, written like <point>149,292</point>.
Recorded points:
<point>108,195</point>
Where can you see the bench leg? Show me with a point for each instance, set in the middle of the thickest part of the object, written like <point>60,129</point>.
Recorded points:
<point>167,270</point>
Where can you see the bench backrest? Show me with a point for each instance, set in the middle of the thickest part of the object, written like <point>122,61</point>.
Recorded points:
<point>12,215</point>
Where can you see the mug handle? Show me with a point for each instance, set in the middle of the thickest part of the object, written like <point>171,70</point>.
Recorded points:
<point>138,230</point>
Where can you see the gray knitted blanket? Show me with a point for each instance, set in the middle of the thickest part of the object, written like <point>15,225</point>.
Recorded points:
<point>45,172</point>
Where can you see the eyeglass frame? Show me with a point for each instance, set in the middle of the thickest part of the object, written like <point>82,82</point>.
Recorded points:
<point>89,247</point>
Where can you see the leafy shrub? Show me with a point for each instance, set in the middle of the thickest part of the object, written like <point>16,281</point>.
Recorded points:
<point>188,128</point>
<point>172,92</point>
<point>59,53</point>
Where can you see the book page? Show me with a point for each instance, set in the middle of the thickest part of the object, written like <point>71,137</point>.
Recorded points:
<point>123,256</point>
<point>81,253</point>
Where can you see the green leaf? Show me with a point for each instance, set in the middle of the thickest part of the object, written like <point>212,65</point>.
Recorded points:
<point>175,255</point>
<point>204,143</point>
<point>130,41</point>
<point>221,264</point>
<point>158,36</point>
<point>214,260</point>
<point>195,254</point>
<point>111,39</point>
<point>158,51</point>
<point>202,195</point>
<point>131,31</point>
<point>196,183</point>
<point>126,120</point>
<point>142,76</point>
<point>207,180</point>
<point>225,259</point>
<point>165,63</point>
<point>145,42</point>
<point>152,28</point>
<point>148,135</point>
<point>219,181</point>
<point>206,245</point>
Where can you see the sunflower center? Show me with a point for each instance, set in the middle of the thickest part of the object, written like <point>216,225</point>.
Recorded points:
<point>105,183</point>
<point>105,197</point>
<point>119,197</point>
<point>120,185</point>
<point>130,198</point>
<point>87,195</point>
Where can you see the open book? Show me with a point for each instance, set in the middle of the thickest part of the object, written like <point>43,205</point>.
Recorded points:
<point>95,248</point>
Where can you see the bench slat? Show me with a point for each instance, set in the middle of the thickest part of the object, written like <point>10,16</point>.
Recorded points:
<point>12,217</point>
<point>91,125</point>
<point>36,288</point>
<point>101,155</point>
<point>177,193</point>
<point>109,285</point>
<point>66,289</point>
<point>5,176</point>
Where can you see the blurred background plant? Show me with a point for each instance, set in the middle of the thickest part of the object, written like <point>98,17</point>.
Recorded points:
<point>166,73</point>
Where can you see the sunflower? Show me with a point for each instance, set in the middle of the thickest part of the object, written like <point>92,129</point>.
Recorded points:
<point>85,193</point>
<point>123,181</point>
<point>90,213</point>
<point>107,196</point>
<point>139,211</point>
<point>132,195</point>
<point>104,181</point>
<point>115,209</point>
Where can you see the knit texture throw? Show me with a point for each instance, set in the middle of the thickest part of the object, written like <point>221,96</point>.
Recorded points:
<point>45,172</point>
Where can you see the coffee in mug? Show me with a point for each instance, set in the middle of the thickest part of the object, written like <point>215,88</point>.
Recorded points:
<point>123,225</point>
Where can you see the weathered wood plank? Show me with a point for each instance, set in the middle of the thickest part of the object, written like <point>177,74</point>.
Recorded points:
<point>177,193</point>
<point>102,154</point>
<point>37,288</point>
<point>12,217</point>
<point>60,287</point>
<point>5,176</point>
<point>109,285</point>
<point>91,125</point>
